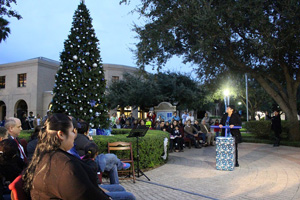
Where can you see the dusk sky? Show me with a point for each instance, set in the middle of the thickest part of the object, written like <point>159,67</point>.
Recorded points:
<point>47,23</point>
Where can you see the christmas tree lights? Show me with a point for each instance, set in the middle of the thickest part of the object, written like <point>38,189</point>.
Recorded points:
<point>80,85</point>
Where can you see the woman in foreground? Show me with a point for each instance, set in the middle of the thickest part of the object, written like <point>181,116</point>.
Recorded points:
<point>56,174</point>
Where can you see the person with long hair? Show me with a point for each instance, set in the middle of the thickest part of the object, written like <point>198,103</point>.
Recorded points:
<point>231,119</point>
<point>53,173</point>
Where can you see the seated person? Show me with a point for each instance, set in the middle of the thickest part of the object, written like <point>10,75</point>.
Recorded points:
<point>206,130</point>
<point>53,173</point>
<point>176,138</point>
<point>11,165</point>
<point>189,133</point>
<point>113,190</point>
<point>3,133</point>
<point>106,162</point>
<point>141,124</point>
<point>127,124</point>
<point>200,134</point>
<point>33,142</point>
<point>134,123</point>
<point>117,124</point>
<point>161,125</point>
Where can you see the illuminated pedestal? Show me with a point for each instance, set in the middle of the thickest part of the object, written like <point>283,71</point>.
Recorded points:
<point>225,153</point>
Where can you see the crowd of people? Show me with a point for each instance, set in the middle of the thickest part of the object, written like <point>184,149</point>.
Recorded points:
<point>59,162</point>
<point>179,128</point>
<point>60,150</point>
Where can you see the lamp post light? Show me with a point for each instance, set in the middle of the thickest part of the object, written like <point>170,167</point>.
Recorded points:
<point>226,94</point>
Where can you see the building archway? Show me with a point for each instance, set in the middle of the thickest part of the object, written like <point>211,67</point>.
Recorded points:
<point>20,108</point>
<point>2,110</point>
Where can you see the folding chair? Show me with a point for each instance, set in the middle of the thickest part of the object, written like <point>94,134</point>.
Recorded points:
<point>124,146</point>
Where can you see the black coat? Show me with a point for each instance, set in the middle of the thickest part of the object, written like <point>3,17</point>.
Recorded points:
<point>276,123</point>
<point>236,121</point>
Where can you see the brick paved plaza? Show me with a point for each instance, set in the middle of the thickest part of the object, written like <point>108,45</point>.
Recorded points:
<point>265,173</point>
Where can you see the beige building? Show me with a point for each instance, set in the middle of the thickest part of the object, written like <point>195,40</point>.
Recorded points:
<point>27,85</point>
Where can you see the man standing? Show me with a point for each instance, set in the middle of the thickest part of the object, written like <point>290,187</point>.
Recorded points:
<point>30,119</point>
<point>191,118</point>
<point>184,116</point>
<point>175,117</point>
<point>14,127</point>
<point>276,127</point>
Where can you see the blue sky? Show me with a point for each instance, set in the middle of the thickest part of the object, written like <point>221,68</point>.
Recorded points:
<point>46,24</point>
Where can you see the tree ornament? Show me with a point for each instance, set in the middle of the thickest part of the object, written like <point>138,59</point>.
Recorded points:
<point>95,65</point>
<point>75,57</point>
<point>81,108</point>
<point>97,114</point>
<point>91,110</point>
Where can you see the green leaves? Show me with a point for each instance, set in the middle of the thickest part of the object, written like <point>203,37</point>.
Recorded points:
<point>148,91</point>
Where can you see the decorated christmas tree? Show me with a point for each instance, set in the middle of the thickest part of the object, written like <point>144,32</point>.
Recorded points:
<point>79,83</point>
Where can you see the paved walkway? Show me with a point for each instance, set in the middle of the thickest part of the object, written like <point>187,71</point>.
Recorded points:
<point>265,173</point>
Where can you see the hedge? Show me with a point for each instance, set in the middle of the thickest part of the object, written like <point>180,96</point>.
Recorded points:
<point>262,129</point>
<point>151,147</point>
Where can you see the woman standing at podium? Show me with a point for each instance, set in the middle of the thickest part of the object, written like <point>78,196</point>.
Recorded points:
<point>231,119</point>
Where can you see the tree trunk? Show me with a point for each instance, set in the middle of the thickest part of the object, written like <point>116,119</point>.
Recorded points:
<point>288,104</point>
<point>293,125</point>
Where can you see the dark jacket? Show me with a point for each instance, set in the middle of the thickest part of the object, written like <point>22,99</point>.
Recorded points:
<point>236,121</point>
<point>276,123</point>
<point>61,175</point>
<point>31,148</point>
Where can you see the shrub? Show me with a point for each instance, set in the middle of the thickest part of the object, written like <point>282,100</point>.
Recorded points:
<point>151,147</point>
<point>262,129</point>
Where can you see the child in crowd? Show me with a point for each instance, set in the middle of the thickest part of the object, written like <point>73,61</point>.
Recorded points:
<point>176,138</point>
<point>217,130</point>
<point>91,151</point>
<point>148,123</point>
<point>113,190</point>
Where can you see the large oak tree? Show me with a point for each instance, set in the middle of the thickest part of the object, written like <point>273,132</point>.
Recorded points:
<point>257,37</point>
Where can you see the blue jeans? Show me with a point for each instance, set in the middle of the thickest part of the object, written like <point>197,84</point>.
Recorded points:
<point>111,163</point>
<point>203,136</point>
<point>116,191</point>
<point>217,134</point>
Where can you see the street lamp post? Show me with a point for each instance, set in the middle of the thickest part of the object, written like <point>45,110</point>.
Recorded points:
<point>246,80</point>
